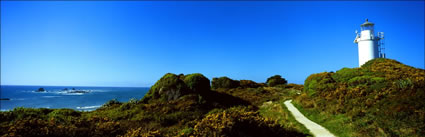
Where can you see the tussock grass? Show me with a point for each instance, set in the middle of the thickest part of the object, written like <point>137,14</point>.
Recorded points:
<point>278,111</point>
<point>382,98</point>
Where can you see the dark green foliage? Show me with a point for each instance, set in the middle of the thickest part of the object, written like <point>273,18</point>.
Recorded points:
<point>169,87</point>
<point>365,81</point>
<point>197,82</point>
<point>21,113</point>
<point>345,74</point>
<point>64,115</point>
<point>186,132</point>
<point>240,122</point>
<point>276,80</point>
<point>224,82</point>
<point>111,103</point>
<point>295,86</point>
<point>257,96</point>
<point>382,98</point>
<point>321,82</point>
<point>222,100</point>
<point>249,84</point>
<point>370,63</point>
<point>404,83</point>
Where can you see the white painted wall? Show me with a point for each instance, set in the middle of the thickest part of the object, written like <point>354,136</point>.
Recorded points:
<point>367,45</point>
<point>368,50</point>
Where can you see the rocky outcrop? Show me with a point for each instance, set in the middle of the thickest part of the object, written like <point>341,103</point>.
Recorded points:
<point>41,90</point>
<point>172,87</point>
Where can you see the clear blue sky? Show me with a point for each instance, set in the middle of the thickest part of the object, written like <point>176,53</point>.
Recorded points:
<point>134,43</point>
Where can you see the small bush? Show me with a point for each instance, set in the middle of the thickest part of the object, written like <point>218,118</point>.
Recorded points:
<point>111,102</point>
<point>140,132</point>
<point>63,115</point>
<point>21,112</point>
<point>345,74</point>
<point>224,82</point>
<point>133,101</point>
<point>404,83</point>
<point>276,80</point>
<point>321,82</point>
<point>197,82</point>
<point>186,132</point>
<point>365,80</point>
<point>249,84</point>
<point>238,122</point>
<point>169,87</point>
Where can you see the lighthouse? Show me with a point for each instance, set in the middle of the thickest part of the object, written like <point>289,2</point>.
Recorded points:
<point>370,46</point>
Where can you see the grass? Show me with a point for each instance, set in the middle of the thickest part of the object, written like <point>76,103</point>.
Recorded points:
<point>292,119</point>
<point>338,124</point>
<point>382,98</point>
<point>276,110</point>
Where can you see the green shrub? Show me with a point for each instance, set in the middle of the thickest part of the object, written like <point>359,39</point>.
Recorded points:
<point>224,82</point>
<point>404,83</point>
<point>186,132</point>
<point>238,122</point>
<point>63,115</point>
<point>21,112</point>
<point>276,80</point>
<point>133,101</point>
<point>197,82</point>
<point>345,74</point>
<point>111,102</point>
<point>295,86</point>
<point>141,132</point>
<point>321,82</point>
<point>249,84</point>
<point>370,63</point>
<point>365,80</point>
<point>169,87</point>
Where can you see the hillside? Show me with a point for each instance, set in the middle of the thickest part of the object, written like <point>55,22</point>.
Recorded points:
<point>177,105</point>
<point>382,98</point>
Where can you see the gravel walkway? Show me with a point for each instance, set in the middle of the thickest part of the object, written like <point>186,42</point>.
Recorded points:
<point>315,129</point>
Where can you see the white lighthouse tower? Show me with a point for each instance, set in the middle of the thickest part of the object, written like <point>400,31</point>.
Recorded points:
<point>370,46</point>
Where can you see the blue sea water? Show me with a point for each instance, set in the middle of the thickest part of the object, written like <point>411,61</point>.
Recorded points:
<point>57,97</point>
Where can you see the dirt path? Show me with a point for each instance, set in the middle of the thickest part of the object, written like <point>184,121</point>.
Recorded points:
<point>315,129</point>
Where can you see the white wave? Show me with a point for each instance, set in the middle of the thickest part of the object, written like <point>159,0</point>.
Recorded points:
<point>50,96</point>
<point>73,93</point>
<point>34,91</point>
<point>98,90</point>
<point>89,107</point>
<point>67,93</point>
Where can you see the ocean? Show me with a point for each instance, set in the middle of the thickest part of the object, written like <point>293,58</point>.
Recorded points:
<point>79,98</point>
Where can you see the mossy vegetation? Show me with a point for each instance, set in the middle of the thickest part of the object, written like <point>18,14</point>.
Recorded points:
<point>382,98</point>
<point>276,80</point>
<point>240,122</point>
<point>169,87</point>
<point>277,110</point>
<point>224,82</point>
<point>177,105</point>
